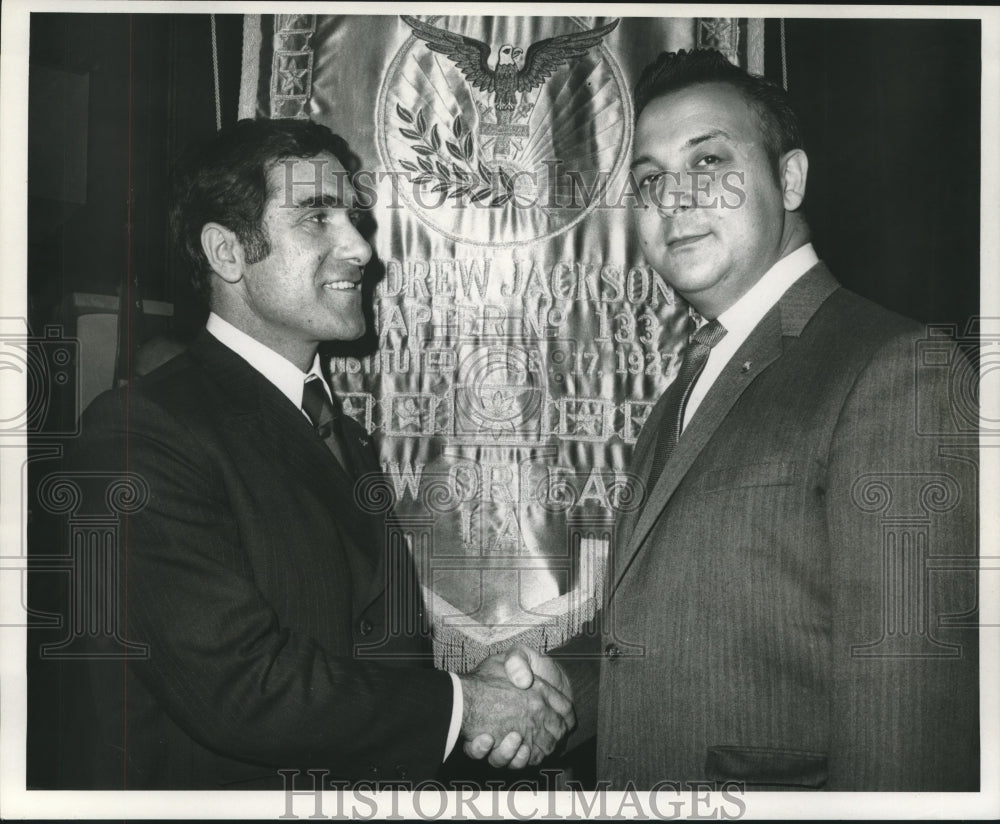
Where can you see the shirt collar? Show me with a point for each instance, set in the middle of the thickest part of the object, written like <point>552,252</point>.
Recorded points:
<point>741,318</point>
<point>280,371</point>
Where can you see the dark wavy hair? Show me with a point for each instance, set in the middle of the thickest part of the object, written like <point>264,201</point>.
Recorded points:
<point>673,71</point>
<point>224,180</point>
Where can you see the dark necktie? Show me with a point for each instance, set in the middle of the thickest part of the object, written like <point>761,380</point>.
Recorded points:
<point>325,419</point>
<point>695,358</point>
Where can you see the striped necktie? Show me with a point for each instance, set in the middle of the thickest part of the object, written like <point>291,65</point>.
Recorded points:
<point>326,420</point>
<point>694,362</point>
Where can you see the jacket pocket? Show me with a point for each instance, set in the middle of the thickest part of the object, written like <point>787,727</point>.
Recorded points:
<point>775,473</point>
<point>767,767</point>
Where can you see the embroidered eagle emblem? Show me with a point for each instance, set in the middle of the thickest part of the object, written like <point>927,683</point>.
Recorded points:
<point>508,77</point>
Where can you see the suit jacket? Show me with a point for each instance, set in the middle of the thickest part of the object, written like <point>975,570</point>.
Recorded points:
<point>772,618</point>
<point>279,636</point>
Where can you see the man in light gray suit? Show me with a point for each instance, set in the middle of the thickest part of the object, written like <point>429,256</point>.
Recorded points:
<point>771,617</point>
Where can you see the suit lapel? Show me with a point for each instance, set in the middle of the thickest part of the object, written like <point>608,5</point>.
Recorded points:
<point>363,458</point>
<point>762,348</point>
<point>265,418</point>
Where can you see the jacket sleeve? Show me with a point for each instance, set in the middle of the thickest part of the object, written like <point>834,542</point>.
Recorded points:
<point>220,664</point>
<point>901,506</point>
<point>580,659</point>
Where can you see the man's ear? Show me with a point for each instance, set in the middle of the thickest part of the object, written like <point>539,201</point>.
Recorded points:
<point>794,170</point>
<point>223,250</point>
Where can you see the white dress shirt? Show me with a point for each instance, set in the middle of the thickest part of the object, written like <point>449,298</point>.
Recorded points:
<point>290,379</point>
<point>276,368</point>
<point>742,317</point>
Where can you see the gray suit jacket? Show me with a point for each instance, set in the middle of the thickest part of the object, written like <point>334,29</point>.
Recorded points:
<point>773,613</point>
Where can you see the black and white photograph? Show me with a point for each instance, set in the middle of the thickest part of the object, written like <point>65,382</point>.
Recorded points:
<point>438,411</point>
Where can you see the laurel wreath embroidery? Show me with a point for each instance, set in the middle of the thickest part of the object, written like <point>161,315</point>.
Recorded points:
<point>459,175</point>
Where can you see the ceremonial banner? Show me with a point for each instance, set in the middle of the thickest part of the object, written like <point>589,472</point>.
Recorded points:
<point>518,339</point>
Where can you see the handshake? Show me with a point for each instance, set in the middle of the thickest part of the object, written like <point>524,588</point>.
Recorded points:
<point>516,708</point>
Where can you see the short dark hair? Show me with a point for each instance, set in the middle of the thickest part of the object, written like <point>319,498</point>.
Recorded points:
<point>673,71</point>
<point>224,180</point>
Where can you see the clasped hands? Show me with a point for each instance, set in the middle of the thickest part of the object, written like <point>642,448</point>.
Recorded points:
<point>516,708</point>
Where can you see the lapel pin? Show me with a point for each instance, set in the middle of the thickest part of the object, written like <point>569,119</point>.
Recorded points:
<point>746,367</point>
<point>362,441</point>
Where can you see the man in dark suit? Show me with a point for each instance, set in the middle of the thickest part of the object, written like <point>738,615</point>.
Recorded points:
<point>771,614</point>
<point>270,629</point>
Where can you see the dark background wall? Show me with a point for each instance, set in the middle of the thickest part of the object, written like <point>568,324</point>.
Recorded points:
<point>890,110</point>
<point>150,94</point>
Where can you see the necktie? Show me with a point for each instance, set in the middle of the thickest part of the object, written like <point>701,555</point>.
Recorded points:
<point>694,361</point>
<point>325,419</point>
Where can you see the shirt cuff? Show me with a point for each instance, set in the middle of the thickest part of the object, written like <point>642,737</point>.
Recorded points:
<point>457,708</point>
